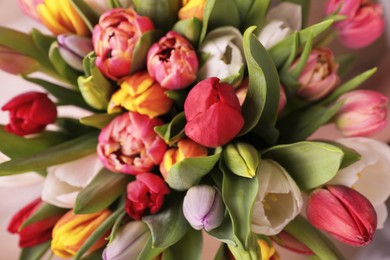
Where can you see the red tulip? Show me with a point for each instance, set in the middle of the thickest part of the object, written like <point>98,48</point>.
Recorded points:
<point>344,213</point>
<point>145,195</point>
<point>30,112</point>
<point>213,113</point>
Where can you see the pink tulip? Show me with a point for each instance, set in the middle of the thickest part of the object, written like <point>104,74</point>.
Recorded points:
<point>286,240</point>
<point>29,7</point>
<point>173,61</point>
<point>363,113</point>
<point>213,113</point>
<point>344,213</point>
<point>319,77</point>
<point>16,63</point>
<point>129,144</point>
<point>114,40</point>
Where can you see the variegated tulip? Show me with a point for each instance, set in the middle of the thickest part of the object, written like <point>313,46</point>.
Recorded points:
<point>186,148</point>
<point>114,39</point>
<point>278,201</point>
<point>15,63</point>
<point>130,145</point>
<point>370,175</point>
<point>64,182</point>
<point>142,94</point>
<point>173,61</point>
<point>29,7</point>
<point>72,230</point>
<point>363,113</point>
<point>192,8</point>
<point>73,49</point>
<point>343,213</point>
<point>61,17</point>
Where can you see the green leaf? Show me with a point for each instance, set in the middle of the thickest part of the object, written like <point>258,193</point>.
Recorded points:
<point>310,164</point>
<point>101,192</point>
<point>36,252</point>
<point>251,253</point>
<point>224,232</point>
<point>58,154</point>
<point>150,252</point>
<point>174,130</point>
<point>43,43</point>
<point>189,28</point>
<point>115,228</point>
<point>297,70</point>
<point>95,255</point>
<point>189,247</point>
<point>98,120</point>
<point>261,103</point>
<point>189,171</point>
<point>350,155</point>
<point>87,14</point>
<point>45,211</point>
<point>345,63</point>
<point>313,239</point>
<point>256,15</point>
<point>142,46</point>
<point>169,225</point>
<point>72,127</point>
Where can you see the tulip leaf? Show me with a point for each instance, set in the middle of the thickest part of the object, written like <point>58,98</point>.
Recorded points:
<point>310,164</point>
<point>72,127</point>
<point>89,17</point>
<point>189,171</point>
<point>189,28</point>
<point>224,232</point>
<point>174,130</point>
<point>45,211</point>
<point>281,51</point>
<point>115,228</point>
<point>239,195</point>
<point>261,103</point>
<point>43,43</point>
<point>178,97</point>
<point>98,120</point>
<point>95,255</point>
<point>58,154</point>
<point>142,47</point>
<point>189,247</point>
<point>101,192</point>
<point>150,252</point>
<point>251,253</point>
<point>256,14</point>
<point>345,63</point>
<point>35,252</point>
<point>169,225</point>
<point>163,13</point>
<point>348,86</point>
<point>350,155</point>
<point>303,231</point>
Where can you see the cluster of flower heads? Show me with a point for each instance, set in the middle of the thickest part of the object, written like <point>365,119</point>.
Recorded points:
<point>126,71</point>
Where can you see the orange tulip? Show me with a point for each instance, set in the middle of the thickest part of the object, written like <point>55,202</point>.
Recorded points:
<point>192,8</point>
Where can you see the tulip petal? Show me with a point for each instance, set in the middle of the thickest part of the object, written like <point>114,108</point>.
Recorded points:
<point>287,12</point>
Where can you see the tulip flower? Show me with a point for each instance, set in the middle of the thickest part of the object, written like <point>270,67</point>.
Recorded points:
<point>370,175</point>
<point>16,63</point>
<point>319,76</point>
<point>142,94</point>
<point>172,61</point>
<point>241,159</point>
<point>71,232</point>
<point>268,251</point>
<point>287,241</point>
<point>30,112</point>
<point>114,39</point>
<point>61,17</point>
<point>192,8</point>
<point>186,148</point>
<point>29,7</point>
<point>278,201</point>
<point>34,233</point>
<point>130,145</point>
<point>73,49</point>
<point>203,207</point>
<point>225,55</point>
<point>145,195</point>
<point>344,213</point>
<point>206,107</point>
<point>64,181</point>
<point>363,113</point>
<point>128,242</point>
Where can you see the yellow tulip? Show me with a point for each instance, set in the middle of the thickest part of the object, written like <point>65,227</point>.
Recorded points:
<point>192,8</point>
<point>72,230</point>
<point>268,251</point>
<point>61,17</point>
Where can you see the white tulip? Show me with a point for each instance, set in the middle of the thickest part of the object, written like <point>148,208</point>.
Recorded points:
<point>278,201</point>
<point>224,51</point>
<point>18,180</point>
<point>64,182</point>
<point>370,175</point>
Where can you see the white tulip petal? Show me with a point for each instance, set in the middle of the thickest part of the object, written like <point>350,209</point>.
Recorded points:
<point>274,32</point>
<point>381,214</point>
<point>287,12</point>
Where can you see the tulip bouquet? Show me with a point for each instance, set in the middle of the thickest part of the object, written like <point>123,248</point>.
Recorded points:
<point>193,117</point>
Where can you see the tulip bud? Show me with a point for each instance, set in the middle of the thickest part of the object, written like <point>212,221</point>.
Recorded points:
<point>172,61</point>
<point>274,32</point>
<point>73,49</point>
<point>242,159</point>
<point>142,94</point>
<point>130,145</point>
<point>29,7</point>
<point>128,242</point>
<point>145,195</point>
<point>16,63</point>
<point>206,107</point>
<point>344,213</point>
<point>115,38</point>
<point>363,113</point>
<point>186,148</point>
<point>61,17</point>
<point>34,233</point>
<point>72,230</point>
<point>30,112</point>
<point>192,8</point>
<point>286,240</point>
<point>203,207</point>
<point>319,76</point>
